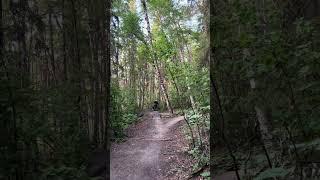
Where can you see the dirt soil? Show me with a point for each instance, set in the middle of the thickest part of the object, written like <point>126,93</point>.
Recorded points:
<point>156,149</point>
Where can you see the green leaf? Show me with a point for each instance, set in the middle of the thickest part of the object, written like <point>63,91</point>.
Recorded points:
<point>270,173</point>
<point>308,86</point>
<point>205,174</point>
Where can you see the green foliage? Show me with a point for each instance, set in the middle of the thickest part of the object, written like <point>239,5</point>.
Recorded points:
<point>206,174</point>
<point>282,60</point>
<point>161,6</point>
<point>202,159</point>
<point>165,50</point>
<point>144,55</point>
<point>272,173</point>
<point>192,80</point>
<point>131,27</point>
<point>175,53</point>
<point>198,119</point>
<point>305,146</point>
<point>46,99</point>
<point>123,110</point>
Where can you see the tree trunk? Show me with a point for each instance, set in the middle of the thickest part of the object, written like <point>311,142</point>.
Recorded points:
<point>52,58</point>
<point>155,60</point>
<point>261,111</point>
<point>107,58</point>
<point>78,66</point>
<point>64,46</point>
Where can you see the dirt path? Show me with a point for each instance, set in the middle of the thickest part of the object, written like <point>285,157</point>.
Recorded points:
<point>143,155</point>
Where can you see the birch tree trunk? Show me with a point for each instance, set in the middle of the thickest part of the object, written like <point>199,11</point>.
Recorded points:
<point>156,63</point>
<point>262,111</point>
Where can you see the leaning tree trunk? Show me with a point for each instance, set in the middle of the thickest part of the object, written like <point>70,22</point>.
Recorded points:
<point>262,111</point>
<point>155,60</point>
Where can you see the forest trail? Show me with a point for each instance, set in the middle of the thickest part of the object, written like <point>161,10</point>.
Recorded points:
<point>141,156</point>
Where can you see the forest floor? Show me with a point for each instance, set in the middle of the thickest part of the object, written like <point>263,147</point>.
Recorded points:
<point>156,148</point>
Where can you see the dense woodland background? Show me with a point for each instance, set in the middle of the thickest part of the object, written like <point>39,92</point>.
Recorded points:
<point>55,86</point>
<point>160,53</point>
<point>265,88</point>
<point>158,56</point>
<point>76,73</point>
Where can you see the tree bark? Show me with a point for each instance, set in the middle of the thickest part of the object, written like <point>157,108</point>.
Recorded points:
<point>77,60</point>
<point>64,45</point>
<point>155,60</point>
<point>262,111</point>
<point>52,58</point>
<point>107,58</point>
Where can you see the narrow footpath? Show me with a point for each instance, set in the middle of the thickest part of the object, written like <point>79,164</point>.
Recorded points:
<point>155,150</point>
